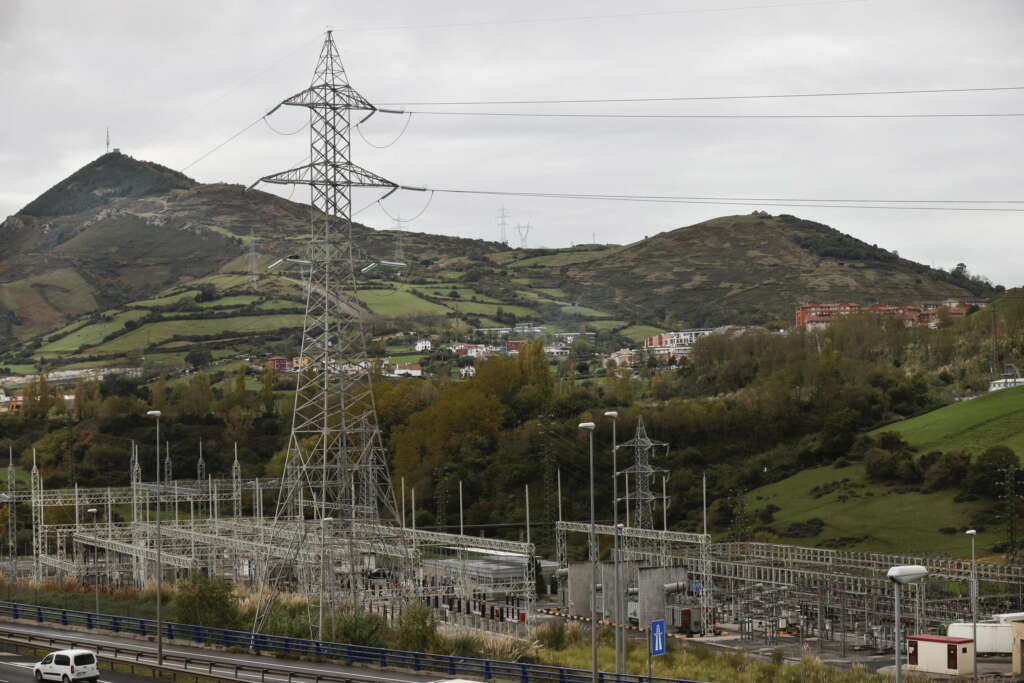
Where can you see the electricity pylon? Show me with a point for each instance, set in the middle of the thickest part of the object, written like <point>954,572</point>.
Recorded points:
<point>335,441</point>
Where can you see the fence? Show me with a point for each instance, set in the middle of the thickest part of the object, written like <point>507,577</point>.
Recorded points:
<point>449,665</point>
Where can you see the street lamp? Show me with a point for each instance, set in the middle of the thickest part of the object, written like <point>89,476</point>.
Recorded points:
<point>973,533</point>
<point>159,558</point>
<point>589,426</point>
<point>95,560</point>
<point>619,635</point>
<point>323,573</point>
<point>900,576</point>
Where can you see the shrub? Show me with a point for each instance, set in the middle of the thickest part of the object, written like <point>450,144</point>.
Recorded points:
<point>207,602</point>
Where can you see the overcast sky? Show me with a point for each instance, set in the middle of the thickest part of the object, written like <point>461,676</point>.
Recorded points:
<point>174,79</point>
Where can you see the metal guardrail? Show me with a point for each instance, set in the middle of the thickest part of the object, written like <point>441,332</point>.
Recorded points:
<point>198,667</point>
<point>449,665</point>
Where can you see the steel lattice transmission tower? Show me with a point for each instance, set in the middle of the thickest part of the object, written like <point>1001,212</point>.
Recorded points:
<point>335,445</point>
<point>642,498</point>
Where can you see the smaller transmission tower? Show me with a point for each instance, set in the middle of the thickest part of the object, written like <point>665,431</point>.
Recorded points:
<point>503,225</point>
<point>524,231</point>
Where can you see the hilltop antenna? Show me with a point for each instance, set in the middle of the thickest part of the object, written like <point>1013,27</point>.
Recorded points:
<point>503,225</point>
<point>524,230</point>
<point>108,139</point>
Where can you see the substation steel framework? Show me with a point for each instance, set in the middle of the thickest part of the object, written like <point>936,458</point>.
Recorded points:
<point>823,592</point>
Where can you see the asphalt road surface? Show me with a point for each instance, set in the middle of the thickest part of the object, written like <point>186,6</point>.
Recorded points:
<point>11,670</point>
<point>15,668</point>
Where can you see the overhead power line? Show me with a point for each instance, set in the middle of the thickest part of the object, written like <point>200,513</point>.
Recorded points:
<point>597,17</point>
<point>700,98</point>
<point>556,115</point>
<point>889,204</point>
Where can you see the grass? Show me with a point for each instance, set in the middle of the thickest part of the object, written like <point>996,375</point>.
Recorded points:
<point>491,309</point>
<point>638,332</point>
<point>229,301</point>
<point>164,300</point>
<point>585,312</point>
<point>882,519</point>
<point>995,418</point>
<point>606,324</point>
<point>564,258</point>
<point>396,302</point>
<point>90,334</point>
<point>154,333</point>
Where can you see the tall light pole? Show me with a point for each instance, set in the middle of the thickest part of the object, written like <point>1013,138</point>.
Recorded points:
<point>619,635</point>
<point>95,560</point>
<point>159,557</point>
<point>900,576</point>
<point>589,427</point>
<point>323,574</point>
<point>974,606</point>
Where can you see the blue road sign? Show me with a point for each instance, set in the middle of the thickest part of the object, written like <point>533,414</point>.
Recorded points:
<point>658,637</point>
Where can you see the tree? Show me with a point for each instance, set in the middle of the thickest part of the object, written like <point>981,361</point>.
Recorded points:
<point>206,601</point>
<point>199,357</point>
<point>267,391</point>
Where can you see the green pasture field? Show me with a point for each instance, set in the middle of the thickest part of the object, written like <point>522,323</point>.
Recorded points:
<point>155,333</point>
<point>90,334</point>
<point>396,302</point>
<point>880,519</point>
<point>996,418</point>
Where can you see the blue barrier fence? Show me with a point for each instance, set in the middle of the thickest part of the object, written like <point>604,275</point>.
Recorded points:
<point>449,665</point>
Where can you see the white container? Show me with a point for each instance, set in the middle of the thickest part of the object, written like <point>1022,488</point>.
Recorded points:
<point>993,637</point>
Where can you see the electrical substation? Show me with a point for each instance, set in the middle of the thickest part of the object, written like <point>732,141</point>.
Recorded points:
<point>332,529</point>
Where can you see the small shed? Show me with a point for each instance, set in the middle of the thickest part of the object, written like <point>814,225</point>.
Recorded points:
<point>940,654</point>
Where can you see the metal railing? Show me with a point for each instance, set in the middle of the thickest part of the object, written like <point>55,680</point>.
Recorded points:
<point>450,665</point>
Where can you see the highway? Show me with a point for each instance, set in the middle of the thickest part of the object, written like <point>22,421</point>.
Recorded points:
<point>12,671</point>
<point>15,668</point>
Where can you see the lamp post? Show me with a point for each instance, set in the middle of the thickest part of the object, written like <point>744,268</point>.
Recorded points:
<point>323,574</point>
<point>974,606</point>
<point>589,427</point>
<point>159,558</point>
<point>900,576</point>
<point>95,560</point>
<point>619,635</point>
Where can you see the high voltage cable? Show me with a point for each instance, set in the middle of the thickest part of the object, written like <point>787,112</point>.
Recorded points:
<point>710,116</point>
<point>657,199</point>
<point>700,98</point>
<point>596,17</point>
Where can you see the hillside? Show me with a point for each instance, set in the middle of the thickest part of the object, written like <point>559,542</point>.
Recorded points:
<point>865,515</point>
<point>120,230</point>
<point>752,269</point>
<point>106,251</point>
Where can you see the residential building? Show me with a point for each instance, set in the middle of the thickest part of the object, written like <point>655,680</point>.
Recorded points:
<point>556,351</point>
<point>813,314</point>
<point>300,363</point>
<point>467,371</point>
<point>424,345</point>
<point>408,370</point>
<point>626,357</point>
<point>278,364</point>
<point>677,345</point>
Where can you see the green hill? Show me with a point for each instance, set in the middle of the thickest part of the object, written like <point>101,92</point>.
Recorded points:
<point>994,419</point>
<point>863,515</point>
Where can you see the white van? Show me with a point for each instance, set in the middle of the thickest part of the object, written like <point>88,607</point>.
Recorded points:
<point>68,666</point>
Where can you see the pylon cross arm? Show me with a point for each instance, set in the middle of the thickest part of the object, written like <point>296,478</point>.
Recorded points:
<point>327,174</point>
<point>330,96</point>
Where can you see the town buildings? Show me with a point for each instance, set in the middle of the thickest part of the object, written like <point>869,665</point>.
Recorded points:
<point>813,314</point>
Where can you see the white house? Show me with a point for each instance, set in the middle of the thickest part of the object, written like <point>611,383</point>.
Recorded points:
<point>467,371</point>
<point>424,345</point>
